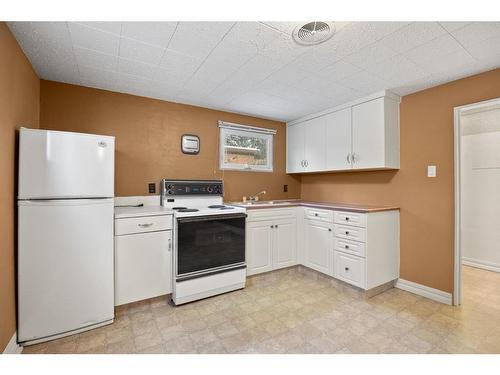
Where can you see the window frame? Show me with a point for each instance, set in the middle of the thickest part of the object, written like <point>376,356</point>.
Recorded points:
<point>247,131</point>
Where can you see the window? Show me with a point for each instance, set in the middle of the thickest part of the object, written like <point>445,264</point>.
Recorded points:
<point>245,147</point>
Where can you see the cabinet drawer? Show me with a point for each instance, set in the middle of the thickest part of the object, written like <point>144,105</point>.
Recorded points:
<point>349,268</point>
<point>142,224</point>
<point>351,247</point>
<point>350,218</point>
<point>350,233</point>
<point>270,213</point>
<point>318,214</point>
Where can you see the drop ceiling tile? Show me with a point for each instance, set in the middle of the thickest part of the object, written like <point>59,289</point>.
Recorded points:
<point>178,63</point>
<point>397,71</point>
<point>372,54</point>
<point>136,68</point>
<point>97,75</point>
<point>108,26</point>
<point>138,51</point>
<point>434,49</point>
<point>477,32</point>
<point>197,39</point>
<point>413,35</point>
<point>452,26</point>
<point>91,58</point>
<point>230,52</point>
<point>155,33</point>
<point>101,41</point>
<point>364,83</point>
<point>260,35</point>
<point>338,70</point>
<point>454,61</point>
<point>487,50</point>
<point>168,77</point>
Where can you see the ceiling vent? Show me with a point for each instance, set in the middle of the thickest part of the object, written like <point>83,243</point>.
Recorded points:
<point>313,33</point>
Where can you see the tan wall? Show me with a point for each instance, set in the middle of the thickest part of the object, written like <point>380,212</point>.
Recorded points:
<point>427,208</point>
<point>148,134</point>
<point>19,105</point>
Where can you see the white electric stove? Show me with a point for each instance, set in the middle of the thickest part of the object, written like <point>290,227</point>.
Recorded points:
<point>209,239</point>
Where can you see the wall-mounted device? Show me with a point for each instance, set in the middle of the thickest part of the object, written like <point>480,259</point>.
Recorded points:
<point>190,144</point>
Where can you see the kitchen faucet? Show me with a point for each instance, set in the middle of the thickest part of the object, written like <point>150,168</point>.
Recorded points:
<point>256,196</point>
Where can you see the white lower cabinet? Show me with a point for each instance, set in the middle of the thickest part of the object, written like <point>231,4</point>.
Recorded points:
<point>318,240</point>
<point>143,261</point>
<point>271,244</point>
<point>361,249</point>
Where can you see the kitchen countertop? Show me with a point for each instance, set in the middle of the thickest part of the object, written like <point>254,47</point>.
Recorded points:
<point>122,212</point>
<point>323,205</point>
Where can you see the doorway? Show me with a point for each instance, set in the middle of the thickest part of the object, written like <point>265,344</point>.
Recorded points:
<point>477,200</point>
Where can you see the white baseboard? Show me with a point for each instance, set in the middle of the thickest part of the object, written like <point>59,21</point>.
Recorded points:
<point>424,291</point>
<point>12,347</point>
<point>490,266</point>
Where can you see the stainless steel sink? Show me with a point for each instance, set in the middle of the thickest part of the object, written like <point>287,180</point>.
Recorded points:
<point>261,203</point>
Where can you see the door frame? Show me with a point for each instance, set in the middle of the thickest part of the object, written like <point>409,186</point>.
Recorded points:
<point>457,113</point>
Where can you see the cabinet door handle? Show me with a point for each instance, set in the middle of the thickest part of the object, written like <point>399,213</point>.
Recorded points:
<point>315,214</point>
<point>169,244</point>
<point>346,219</point>
<point>347,268</point>
<point>346,246</point>
<point>272,226</point>
<point>353,157</point>
<point>145,225</point>
<point>329,229</point>
<point>349,158</point>
<point>276,226</point>
<point>347,232</point>
<point>307,163</point>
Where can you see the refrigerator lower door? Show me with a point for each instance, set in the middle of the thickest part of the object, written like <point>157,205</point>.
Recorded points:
<point>65,266</point>
<point>54,164</point>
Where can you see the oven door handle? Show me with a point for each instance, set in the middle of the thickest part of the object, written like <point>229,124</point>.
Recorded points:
<point>210,218</point>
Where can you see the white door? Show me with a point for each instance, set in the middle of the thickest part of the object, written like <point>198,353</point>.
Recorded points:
<point>368,134</point>
<point>295,148</point>
<point>143,266</point>
<point>315,147</point>
<point>259,244</point>
<point>285,243</point>
<point>319,246</point>
<point>55,164</point>
<point>338,140</point>
<point>65,266</point>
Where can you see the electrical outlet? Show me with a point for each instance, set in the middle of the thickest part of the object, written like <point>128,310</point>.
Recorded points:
<point>431,171</point>
<point>285,188</point>
<point>152,188</point>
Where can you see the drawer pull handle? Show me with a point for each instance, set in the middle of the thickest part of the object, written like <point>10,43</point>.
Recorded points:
<point>347,268</point>
<point>315,214</point>
<point>346,246</point>
<point>346,219</point>
<point>272,226</point>
<point>145,225</point>
<point>329,229</point>
<point>347,232</point>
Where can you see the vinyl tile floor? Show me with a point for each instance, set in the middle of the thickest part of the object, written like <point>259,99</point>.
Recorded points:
<point>297,310</point>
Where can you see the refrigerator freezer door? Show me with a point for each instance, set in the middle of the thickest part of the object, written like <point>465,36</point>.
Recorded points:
<point>55,164</point>
<point>65,266</point>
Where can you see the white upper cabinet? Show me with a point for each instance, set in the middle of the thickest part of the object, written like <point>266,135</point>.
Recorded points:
<point>295,142</point>
<point>375,134</point>
<point>338,140</point>
<point>357,136</point>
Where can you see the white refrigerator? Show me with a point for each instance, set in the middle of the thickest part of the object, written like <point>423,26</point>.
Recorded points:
<point>65,233</point>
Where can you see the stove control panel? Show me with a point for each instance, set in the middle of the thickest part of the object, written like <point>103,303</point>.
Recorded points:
<point>193,187</point>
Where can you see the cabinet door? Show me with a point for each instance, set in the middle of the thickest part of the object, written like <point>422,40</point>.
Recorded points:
<point>143,266</point>
<point>368,134</point>
<point>295,148</point>
<point>315,146</point>
<point>259,243</point>
<point>338,140</point>
<point>319,246</point>
<point>285,243</point>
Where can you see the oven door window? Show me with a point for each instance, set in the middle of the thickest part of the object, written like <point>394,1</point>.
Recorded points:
<point>209,243</point>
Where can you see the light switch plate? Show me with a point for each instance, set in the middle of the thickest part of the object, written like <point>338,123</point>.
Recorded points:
<point>431,171</point>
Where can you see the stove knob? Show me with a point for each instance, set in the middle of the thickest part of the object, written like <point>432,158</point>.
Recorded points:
<point>209,189</point>
<point>170,192</point>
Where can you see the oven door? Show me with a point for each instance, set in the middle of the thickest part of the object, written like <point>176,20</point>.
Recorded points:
<point>209,244</point>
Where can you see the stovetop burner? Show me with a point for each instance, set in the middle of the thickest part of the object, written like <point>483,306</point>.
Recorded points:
<point>227,208</point>
<point>187,210</point>
<point>179,208</point>
<point>216,206</point>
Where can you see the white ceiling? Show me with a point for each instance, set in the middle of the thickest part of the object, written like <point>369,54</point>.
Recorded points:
<point>254,67</point>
